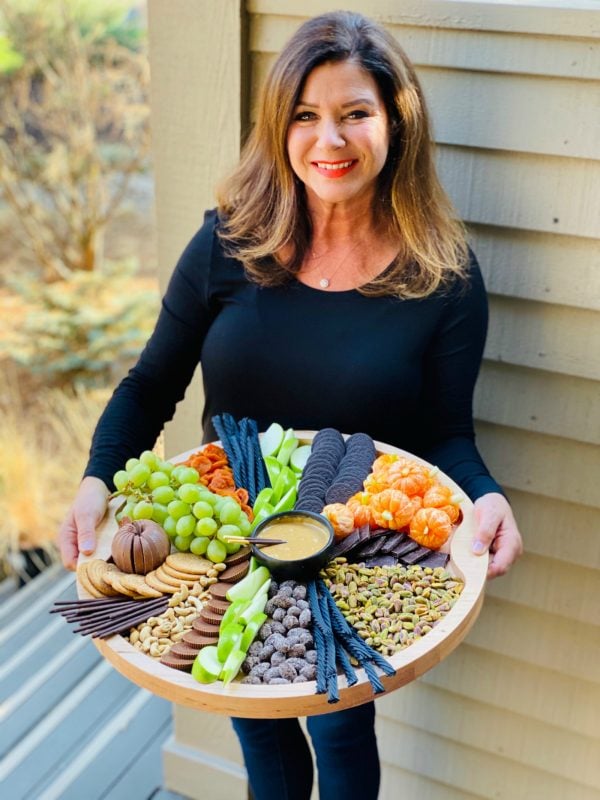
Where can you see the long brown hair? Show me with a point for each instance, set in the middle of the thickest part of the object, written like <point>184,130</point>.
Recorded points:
<point>263,204</point>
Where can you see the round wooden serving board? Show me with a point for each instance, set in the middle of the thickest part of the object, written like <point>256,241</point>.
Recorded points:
<point>300,700</point>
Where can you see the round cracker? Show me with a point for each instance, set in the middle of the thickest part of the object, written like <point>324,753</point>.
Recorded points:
<point>177,573</point>
<point>114,579</point>
<point>138,585</point>
<point>96,570</point>
<point>153,581</point>
<point>85,581</point>
<point>188,562</point>
<point>178,582</point>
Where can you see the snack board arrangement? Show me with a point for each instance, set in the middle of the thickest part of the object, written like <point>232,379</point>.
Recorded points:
<point>290,574</point>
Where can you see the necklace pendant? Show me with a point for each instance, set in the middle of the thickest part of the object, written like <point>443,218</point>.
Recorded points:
<point>324,283</point>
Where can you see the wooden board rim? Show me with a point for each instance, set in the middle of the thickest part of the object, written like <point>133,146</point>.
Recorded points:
<point>293,700</point>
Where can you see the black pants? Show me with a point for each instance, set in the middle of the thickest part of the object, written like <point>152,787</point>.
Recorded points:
<point>279,762</point>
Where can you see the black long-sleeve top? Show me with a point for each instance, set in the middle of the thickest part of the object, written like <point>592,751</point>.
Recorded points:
<point>402,371</point>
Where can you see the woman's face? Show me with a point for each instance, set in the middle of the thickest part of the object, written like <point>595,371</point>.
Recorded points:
<point>338,139</point>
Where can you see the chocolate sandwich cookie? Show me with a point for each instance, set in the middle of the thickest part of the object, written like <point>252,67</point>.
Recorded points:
<point>217,606</point>
<point>243,554</point>
<point>209,629</point>
<point>219,590</point>
<point>178,662</point>
<point>199,640</point>
<point>235,573</point>
<point>184,650</point>
<point>210,616</point>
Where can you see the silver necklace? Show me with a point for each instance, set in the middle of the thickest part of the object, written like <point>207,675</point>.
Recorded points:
<point>325,282</point>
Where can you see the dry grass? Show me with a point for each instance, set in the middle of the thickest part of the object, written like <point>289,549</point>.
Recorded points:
<point>43,449</point>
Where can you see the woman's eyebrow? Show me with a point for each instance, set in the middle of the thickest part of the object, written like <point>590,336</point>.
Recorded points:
<point>358,101</point>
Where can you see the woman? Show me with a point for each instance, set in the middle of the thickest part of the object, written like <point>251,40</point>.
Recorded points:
<point>333,286</point>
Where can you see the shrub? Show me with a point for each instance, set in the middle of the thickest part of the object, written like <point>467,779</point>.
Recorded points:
<point>79,330</point>
<point>74,125</point>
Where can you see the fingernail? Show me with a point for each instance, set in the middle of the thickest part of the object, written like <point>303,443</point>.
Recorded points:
<point>479,548</point>
<point>87,546</point>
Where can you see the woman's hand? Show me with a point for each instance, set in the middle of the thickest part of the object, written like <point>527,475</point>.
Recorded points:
<point>497,532</point>
<point>77,534</point>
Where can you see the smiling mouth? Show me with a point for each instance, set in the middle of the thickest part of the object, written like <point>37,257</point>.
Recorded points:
<point>335,165</point>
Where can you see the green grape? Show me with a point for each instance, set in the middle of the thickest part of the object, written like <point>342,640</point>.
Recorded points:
<point>165,466</point>
<point>199,545</point>
<point>210,497</point>
<point>232,547</point>
<point>126,511</point>
<point>163,494</point>
<point>189,493</point>
<point>149,458</point>
<point>229,512</point>
<point>170,526</point>
<point>216,551</point>
<point>202,509</point>
<point>228,530</point>
<point>160,513</point>
<point>157,479</point>
<point>182,543</point>
<point>206,526</point>
<point>178,509</point>
<point>186,525</point>
<point>121,479</point>
<point>131,463</point>
<point>139,475</point>
<point>244,525</point>
<point>188,475</point>
<point>143,510</point>
<point>176,472</point>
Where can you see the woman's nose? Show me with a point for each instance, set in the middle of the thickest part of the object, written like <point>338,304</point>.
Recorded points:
<point>329,134</point>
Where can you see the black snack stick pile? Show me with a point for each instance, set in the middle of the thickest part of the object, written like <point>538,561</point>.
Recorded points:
<point>242,446</point>
<point>102,618</point>
<point>336,641</point>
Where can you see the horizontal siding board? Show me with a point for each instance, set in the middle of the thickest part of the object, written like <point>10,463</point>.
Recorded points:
<point>539,638</point>
<point>462,49</point>
<point>551,17</point>
<point>555,117</point>
<point>512,685</point>
<point>397,783</point>
<point>558,338</point>
<point>490,775</point>
<point>549,268</point>
<point>539,401</point>
<point>574,538</point>
<point>484,727</point>
<point>524,191</point>
<point>544,465</point>
<point>545,584</point>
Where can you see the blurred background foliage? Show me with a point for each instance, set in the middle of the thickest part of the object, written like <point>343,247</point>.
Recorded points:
<point>75,307</point>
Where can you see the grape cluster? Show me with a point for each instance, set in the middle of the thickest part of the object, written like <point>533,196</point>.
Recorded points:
<point>193,517</point>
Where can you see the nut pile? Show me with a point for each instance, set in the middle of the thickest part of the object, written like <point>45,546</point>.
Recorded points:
<point>391,607</point>
<point>158,634</point>
<point>284,651</point>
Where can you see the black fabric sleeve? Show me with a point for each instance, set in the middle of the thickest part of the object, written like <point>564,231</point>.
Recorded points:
<point>451,368</point>
<point>147,397</point>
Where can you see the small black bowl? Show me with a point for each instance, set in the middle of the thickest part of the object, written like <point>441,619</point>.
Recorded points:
<point>300,569</point>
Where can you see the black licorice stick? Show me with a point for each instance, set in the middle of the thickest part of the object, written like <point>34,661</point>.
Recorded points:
<point>149,610</point>
<point>94,609</point>
<point>223,427</point>
<point>332,680</point>
<point>60,604</point>
<point>115,626</point>
<point>260,471</point>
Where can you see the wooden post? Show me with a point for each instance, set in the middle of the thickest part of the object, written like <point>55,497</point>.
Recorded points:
<point>197,60</point>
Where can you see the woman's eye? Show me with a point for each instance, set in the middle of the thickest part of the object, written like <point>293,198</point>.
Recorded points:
<point>304,116</point>
<point>357,114</point>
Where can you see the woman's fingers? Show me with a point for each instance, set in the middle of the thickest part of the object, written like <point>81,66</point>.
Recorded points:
<point>67,542</point>
<point>497,532</point>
